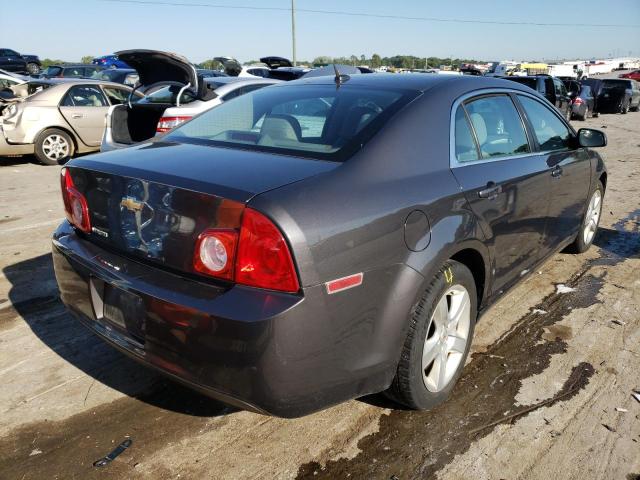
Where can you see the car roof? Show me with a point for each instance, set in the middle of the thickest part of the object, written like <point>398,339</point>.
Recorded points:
<point>420,82</point>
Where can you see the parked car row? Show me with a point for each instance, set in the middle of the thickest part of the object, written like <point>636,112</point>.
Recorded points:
<point>166,90</point>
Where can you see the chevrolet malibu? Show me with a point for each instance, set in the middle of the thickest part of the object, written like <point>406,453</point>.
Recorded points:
<point>327,238</point>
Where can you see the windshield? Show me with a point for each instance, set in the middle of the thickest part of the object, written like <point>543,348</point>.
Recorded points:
<point>317,121</point>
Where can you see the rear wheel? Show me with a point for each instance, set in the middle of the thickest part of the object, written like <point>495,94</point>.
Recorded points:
<point>590,222</point>
<point>624,107</point>
<point>53,147</point>
<point>585,115</point>
<point>438,341</point>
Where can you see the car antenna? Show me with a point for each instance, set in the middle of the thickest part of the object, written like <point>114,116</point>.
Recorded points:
<point>338,77</point>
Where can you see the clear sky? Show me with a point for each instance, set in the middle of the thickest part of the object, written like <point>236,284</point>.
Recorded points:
<point>69,29</point>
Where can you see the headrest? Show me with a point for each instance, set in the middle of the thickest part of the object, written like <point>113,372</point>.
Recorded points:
<point>281,127</point>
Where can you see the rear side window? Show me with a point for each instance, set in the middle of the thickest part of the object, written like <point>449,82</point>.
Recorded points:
<point>466,150</point>
<point>551,133</point>
<point>498,127</point>
<point>84,96</point>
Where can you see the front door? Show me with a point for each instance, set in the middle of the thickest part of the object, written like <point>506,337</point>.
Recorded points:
<point>85,107</point>
<point>569,170</point>
<point>504,181</point>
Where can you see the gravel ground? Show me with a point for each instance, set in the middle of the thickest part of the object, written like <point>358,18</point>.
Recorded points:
<point>546,393</point>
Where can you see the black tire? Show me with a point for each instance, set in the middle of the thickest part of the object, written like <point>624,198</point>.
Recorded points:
<point>33,68</point>
<point>42,151</point>
<point>580,245</point>
<point>634,109</point>
<point>624,107</point>
<point>408,386</point>
<point>586,114</point>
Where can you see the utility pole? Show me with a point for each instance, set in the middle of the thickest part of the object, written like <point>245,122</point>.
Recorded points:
<point>293,30</point>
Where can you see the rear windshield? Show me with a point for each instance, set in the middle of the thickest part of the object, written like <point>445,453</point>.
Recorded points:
<point>52,71</point>
<point>169,94</point>
<point>613,84</point>
<point>314,121</point>
<point>529,82</point>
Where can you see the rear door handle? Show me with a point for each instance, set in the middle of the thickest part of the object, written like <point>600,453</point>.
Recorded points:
<point>491,191</point>
<point>77,115</point>
<point>556,172</point>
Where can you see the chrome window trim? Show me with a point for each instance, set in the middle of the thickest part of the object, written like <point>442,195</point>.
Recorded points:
<point>453,161</point>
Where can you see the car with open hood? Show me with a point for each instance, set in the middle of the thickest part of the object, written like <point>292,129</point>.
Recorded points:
<point>174,92</point>
<point>327,238</point>
<point>55,119</point>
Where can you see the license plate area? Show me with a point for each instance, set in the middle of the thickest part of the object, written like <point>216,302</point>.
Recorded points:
<point>115,307</point>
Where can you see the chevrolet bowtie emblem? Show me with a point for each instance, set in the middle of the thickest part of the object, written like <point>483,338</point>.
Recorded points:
<point>132,204</point>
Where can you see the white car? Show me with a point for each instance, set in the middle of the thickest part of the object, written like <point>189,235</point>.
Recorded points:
<point>173,94</point>
<point>224,89</point>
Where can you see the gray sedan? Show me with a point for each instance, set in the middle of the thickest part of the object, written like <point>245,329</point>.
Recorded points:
<point>56,123</point>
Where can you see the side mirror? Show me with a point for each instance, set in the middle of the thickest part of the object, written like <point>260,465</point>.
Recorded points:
<point>589,137</point>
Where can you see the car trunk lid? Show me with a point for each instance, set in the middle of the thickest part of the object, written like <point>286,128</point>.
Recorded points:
<point>149,202</point>
<point>154,66</point>
<point>276,62</point>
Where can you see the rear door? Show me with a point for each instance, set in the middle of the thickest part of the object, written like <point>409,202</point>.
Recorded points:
<point>85,107</point>
<point>505,183</point>
<point>570,171</point>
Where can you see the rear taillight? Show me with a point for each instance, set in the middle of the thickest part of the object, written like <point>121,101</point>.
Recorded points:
<point>578,101</point>
<point>257,255</point>
<point>167,123</point>
<point>215,253</point>
<point>75,205</point>
<point>264,259</point>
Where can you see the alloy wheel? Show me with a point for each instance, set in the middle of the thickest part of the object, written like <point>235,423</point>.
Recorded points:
<point>55,147</point>
<point>592,217</point>
<point>447,337</point>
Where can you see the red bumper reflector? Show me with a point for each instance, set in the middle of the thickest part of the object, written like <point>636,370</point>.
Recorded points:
<point>344,283</point>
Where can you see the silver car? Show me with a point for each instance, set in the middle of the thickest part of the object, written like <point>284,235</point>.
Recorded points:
<point>56,123</point>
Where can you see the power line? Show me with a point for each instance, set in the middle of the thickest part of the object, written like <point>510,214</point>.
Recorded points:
<point>371,15</point>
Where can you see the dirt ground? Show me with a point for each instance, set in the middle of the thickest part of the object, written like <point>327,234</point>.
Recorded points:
<point>547,392</point>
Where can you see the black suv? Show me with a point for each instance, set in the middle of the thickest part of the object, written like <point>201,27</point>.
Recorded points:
<point>12,61</point>
<point>551,87</point>
<point>619,95</point>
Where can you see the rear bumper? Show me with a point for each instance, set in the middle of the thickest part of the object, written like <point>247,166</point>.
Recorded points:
<point>275,353</point>
<point>7,149</point>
